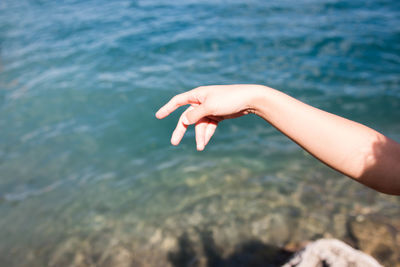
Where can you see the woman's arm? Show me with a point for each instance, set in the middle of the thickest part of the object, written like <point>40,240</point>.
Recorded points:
<point>348,147</point>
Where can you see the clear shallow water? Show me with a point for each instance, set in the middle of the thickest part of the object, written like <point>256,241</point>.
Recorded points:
<point>87,174</point>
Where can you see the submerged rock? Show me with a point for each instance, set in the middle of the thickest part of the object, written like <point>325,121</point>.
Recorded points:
<point>377,236</point>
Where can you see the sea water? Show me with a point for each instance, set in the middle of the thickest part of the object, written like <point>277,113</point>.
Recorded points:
<point>87,173</point>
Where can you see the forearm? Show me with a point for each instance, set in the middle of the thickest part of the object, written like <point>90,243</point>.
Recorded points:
<point>349,147</point>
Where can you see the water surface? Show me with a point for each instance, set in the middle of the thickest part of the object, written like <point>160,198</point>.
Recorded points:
<point>87,174</point>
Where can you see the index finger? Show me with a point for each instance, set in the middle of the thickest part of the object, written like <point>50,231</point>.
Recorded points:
<point>176,102</point>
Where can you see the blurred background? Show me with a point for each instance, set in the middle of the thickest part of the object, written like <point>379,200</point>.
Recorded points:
<point>88,176</point>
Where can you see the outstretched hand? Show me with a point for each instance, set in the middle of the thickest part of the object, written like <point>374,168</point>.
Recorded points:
<point>209,105</point>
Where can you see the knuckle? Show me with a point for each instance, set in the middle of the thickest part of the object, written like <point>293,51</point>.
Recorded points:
<point>175,100</point>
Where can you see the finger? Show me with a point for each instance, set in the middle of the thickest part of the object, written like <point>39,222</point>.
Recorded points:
<point>176,102</point>
<point>180,129</point>
<point>195,115</point>
<point>200,130</point>
<point>210,130</point>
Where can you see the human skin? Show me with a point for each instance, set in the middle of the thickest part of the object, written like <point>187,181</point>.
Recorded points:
<point>351,148</point>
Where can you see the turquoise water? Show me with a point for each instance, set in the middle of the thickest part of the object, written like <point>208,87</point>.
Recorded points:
<point>87,174</point>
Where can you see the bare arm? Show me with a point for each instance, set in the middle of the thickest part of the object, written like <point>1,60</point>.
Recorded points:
<point>348,147</point>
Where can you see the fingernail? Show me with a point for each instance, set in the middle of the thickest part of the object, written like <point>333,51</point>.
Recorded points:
<point>200,147</point>
<point>174,140</point>
<point>185,120</point>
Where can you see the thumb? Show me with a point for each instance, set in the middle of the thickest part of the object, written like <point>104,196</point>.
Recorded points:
<point>194,115</point>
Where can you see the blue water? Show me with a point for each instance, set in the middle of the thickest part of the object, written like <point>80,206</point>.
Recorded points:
<point>87,174</point>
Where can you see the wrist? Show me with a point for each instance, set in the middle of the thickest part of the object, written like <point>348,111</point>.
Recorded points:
<point>259,99</point>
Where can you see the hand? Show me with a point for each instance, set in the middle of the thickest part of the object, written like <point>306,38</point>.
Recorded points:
<point>209,105</point>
